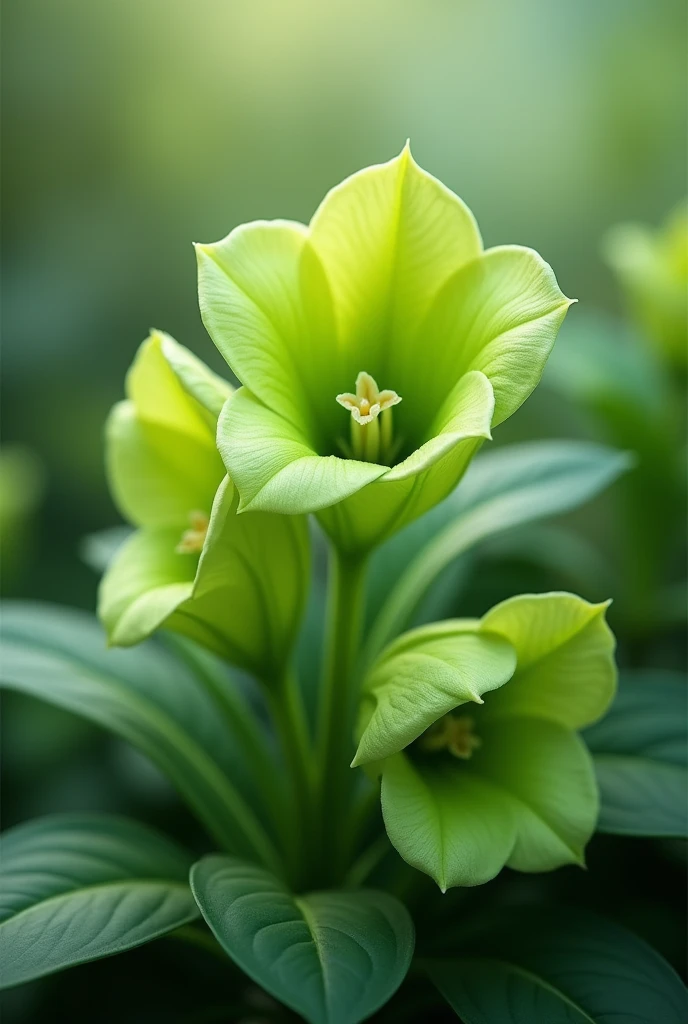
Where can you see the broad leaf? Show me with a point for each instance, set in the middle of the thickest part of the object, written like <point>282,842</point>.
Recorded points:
<point>640,750</point>
<point>83,886</point>
<point>333,957</point>
<point>150,699</point>
<point>560,967</point>
<point>502,489</point>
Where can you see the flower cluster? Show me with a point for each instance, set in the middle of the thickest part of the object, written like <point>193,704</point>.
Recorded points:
<point>376,350</point>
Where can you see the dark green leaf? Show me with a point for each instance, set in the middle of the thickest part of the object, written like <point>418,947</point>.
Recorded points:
<point>502,489</point>
<point>147,697</point>
<point>559,967</point>
<point>334,957</point>
<point>79,887</point>
<point>640,750</point>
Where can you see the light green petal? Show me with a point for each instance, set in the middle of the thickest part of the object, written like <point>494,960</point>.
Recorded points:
<point>406,692</point>
<point>454,826</point>
<point>274,469</point>
<point>466,413</point>
<point>252,582</point>
<point>389,237</point>
<point>266,305</point>
<point>548,774</point>
<point>242,599</point>
<point>499,314</point>
<point>158,396</point>
<point>158,475</point>
<point>197,379</point>
<point>423,479</point>
<point>566,671</point>
<point>146,581</point>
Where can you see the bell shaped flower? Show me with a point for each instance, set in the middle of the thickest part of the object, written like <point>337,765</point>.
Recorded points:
<point>473,727</point>
<point>652,268</point>
<point>236,584</point>
<point>376,348</point>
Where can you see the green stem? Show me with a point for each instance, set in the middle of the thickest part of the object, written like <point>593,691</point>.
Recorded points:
<point>290,721</point>
<point>336,712</point>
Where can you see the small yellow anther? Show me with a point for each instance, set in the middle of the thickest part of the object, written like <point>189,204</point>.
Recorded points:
<point>193,539</point>
<point>453,733</point>
<point>368,442</point>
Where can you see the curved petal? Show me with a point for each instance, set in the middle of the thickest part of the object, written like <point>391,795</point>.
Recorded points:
<point>454,826</point>
<point>548,774</point>
<point>157,393</point>
<point>466,413</point>
<point>409,689</point>
<point>565,671</point>
<point>265,303</point>
<point>243,598</point>
<point>423,479</point>
<point>389,237</point>
<point>274,469</point>
<point>197,379</point>
<point>252,582</point>
<point>499,314</point>
<point>157,474</point>
<point>145,583</point>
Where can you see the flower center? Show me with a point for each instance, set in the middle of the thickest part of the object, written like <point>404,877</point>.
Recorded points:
<point>372,434</point>
<point>193,539</point>
<point>453,733</point>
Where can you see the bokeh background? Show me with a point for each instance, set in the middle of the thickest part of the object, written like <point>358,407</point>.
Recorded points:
<point>133,127</point>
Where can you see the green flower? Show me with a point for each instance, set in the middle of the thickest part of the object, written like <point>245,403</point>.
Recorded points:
<point>471,785</point>
<point>236,584</point>
<point>652,267</point>
<point>390,291</point>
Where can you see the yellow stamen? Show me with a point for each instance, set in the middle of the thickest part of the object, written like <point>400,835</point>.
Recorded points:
<point>453,733</point>
<point>369,443</point>
<point>193,539</point>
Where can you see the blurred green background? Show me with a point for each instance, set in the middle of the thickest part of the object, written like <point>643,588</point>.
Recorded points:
<point>133,127</point>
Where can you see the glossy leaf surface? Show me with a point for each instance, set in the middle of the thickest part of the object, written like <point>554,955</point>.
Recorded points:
<point>78,887</point>
<point>333,957</point>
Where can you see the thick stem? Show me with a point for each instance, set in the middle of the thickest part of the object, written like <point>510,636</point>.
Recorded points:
<point>290,721</point>
<point>337,709</point>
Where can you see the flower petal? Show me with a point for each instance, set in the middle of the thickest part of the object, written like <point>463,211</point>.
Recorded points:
<point>499,314</point>
<point>274,469</point>
<point>144,584</point>
<point>423,479</point>
<point>412,687</point>
<point>548,774</point>
<point>252,583</point>
<point>454,826</point>
<point>158,396</point>
<point>266,305</point>
<point>466,413</point>
<point>158,474</point>
<point>243,599</point>
<point>197,379</point>
<point>566,671</point>
<point>389,237</point>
